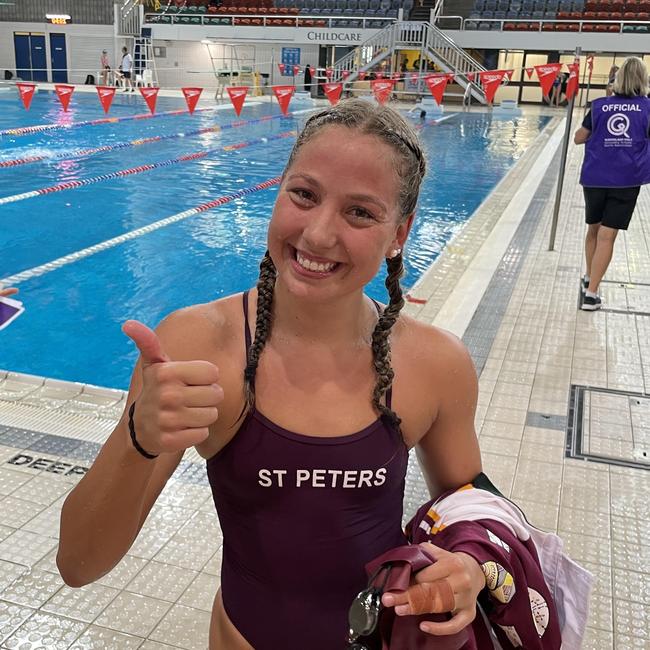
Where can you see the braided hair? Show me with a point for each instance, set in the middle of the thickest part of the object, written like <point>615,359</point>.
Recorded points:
<point>410,168</point>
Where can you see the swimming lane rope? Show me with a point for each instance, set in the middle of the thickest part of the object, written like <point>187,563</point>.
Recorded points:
<point>70,185</point>
<point>133,234</point>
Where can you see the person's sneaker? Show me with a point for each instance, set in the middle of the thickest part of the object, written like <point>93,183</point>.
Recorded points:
<point>591,303</point>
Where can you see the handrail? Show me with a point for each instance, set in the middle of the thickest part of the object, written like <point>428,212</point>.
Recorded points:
<point>541,21</point>
<point>366,23</point>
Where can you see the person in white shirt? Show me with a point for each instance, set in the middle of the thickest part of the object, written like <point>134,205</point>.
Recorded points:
<point>126,68</point>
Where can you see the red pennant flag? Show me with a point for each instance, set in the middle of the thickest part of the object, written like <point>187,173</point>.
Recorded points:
<point>284,94</point>
<point>414,77</point>
<point>437,84</point>
<point>491,80</point>
<point>529,72</point>
<point>296,70</point>
<point>450,77</point>
<point>509,74</point>
<point>281,68</point>
<point>345,74</point>
<point>382,89</point>
<point>572,83</point>
<point>471,76</point>
<point>590,63</point>
<point>192,96</point>
<point>150,96</point>
<point>546,75</point>
<point>333,92</point>
<point>362,75</point>
<point>64,93</point>
<point>106,95</point>
<point>26,93</point>
<point>237,96</point>
<point>329,73</point>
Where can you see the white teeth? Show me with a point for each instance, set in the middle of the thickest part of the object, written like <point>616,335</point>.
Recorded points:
<point>314,266</point>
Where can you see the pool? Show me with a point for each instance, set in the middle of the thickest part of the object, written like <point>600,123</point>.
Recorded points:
<point>131,269</point>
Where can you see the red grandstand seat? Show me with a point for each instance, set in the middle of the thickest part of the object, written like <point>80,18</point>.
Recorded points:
<point>589,15</point>
<point>615,15</point>
<point>643,15</point>
<point>261,10</point>
<point>273,10</point>
<point>573,27</point>
<point>644,5</point>
<point>588,27</point>
<point>602,15</point>
<point>575,15</point>
<point>509,27</point>
<point>630,15</point>
<point>294,11</point>
<point>618,5</point>
<point>256,21</point>
<point>563,15</point>
<point>615,29</point>
<point>283,10</point>
<point>604,5</point>
<point>591,5</point>
<point>212,9</point>
<point>600,28</point>
<point>522,27</point>
<point>548,27</point>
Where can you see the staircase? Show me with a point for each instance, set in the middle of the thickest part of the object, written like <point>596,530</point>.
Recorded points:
<point>412,35</point>
<point>143,58</point>
<point>130,14</point>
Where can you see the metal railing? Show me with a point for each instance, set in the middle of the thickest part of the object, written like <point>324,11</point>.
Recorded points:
<point>131,14</point>
<point>540,22</point>
<point>235,20</point>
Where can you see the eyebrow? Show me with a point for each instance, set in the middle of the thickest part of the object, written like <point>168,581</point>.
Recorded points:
<point>355,197</point>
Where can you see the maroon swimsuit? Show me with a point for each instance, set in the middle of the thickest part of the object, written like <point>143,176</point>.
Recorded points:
<point>301,515</point>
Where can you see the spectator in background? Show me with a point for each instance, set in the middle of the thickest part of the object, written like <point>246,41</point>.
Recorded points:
<point>105,67</point>
<point>307,78</point>
<point>609,91</point>
<point>616,133</point>
<point>8,291</point>
<point>126,68</point>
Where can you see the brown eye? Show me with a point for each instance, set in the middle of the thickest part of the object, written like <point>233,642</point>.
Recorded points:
<point>303,196</point>
<point>362,214</point>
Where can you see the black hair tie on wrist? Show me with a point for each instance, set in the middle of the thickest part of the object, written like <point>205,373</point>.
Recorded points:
<point>136,444</point>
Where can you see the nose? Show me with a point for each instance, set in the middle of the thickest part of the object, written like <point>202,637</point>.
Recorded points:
<point>321,230</point>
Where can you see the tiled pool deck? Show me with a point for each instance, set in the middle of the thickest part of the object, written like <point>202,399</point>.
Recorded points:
<point>553,379</point>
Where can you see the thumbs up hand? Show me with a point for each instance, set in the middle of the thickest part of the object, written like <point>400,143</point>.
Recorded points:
<point>178,400</point>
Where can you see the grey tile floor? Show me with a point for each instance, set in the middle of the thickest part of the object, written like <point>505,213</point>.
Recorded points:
<point>535,347</point>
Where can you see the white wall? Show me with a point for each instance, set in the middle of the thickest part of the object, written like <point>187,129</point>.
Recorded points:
<point>84,44</point>
<point>187,63</point>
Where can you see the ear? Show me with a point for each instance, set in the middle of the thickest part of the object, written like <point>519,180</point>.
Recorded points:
<point>401,235</point>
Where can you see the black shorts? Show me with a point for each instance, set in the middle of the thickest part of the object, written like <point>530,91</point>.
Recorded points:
<point>126,75</point>
<point>610,206</point>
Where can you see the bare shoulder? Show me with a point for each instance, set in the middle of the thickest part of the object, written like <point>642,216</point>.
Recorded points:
<point>202,331</point>
<point>430,349</point>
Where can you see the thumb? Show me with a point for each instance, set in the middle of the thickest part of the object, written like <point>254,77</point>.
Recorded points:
<point>147,342</point>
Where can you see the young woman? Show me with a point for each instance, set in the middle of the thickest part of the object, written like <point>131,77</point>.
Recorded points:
<point>305,396</point>
<point>616,134</point>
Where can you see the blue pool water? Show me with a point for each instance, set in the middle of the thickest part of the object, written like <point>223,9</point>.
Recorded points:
<point>71,326</point>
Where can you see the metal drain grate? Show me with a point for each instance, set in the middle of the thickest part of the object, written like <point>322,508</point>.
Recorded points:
<point>609,426</point>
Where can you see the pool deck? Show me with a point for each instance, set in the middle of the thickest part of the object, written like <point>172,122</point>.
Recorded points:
<point>560,423</point>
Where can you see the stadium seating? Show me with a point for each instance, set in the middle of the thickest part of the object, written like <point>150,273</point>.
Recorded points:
<point>526,15</point>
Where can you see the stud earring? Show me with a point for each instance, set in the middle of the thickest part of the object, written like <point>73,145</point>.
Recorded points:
<point>395,252</point>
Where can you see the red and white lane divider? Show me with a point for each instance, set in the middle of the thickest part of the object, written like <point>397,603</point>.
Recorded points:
<point>133,234</point>
<point>84,153</point>
<point>70,185</point>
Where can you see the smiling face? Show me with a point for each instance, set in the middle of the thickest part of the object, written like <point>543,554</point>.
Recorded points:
<point>336,216</point>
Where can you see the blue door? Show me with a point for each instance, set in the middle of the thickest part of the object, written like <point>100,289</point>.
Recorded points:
<point>23,56</point>
<point>58,58</point>
<point>39,59</point>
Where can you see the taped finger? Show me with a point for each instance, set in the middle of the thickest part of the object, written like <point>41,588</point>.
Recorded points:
<point>431,597</point>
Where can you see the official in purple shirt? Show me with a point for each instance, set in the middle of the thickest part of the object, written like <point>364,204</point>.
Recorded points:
<point>616,163</point>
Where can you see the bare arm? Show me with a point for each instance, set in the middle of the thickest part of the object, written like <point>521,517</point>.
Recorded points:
<point>449,452</point>
<point>103,514</point>
<point>581,135</point>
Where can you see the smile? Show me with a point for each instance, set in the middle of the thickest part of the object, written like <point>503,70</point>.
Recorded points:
<point>314,265</point>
